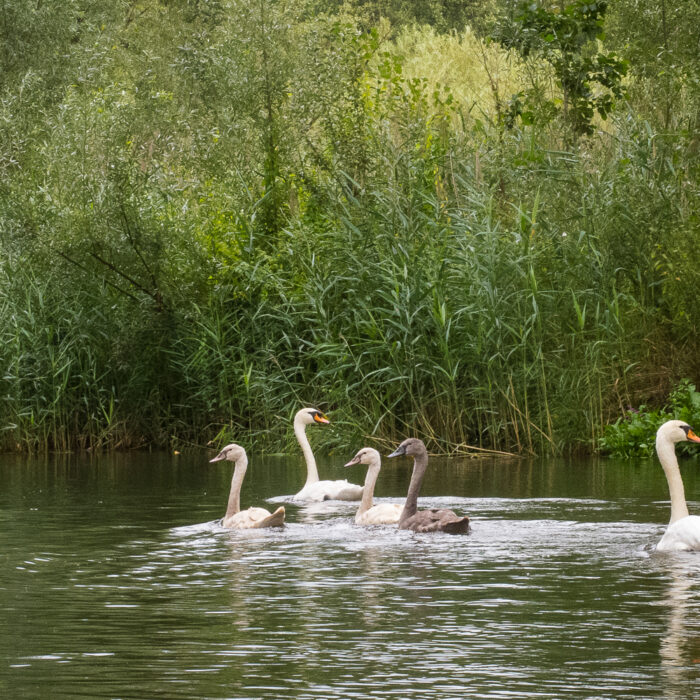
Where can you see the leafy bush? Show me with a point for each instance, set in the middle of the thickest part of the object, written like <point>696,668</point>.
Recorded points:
<point>634,435</point>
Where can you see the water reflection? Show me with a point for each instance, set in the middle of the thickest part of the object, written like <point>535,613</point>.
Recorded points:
<point>680,645</point>
<point>122,578</point>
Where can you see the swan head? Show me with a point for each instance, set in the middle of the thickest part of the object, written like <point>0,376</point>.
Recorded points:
<point>410,447</point>
<point>231,452</point>
<point>676,431</point>
<point>367,455</point>
<point>309,416</point>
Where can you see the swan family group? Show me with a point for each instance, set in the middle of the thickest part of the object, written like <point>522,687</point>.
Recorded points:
<point>683,532</point>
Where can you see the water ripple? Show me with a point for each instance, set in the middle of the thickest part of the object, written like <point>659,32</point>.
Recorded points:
<point>549,596</point>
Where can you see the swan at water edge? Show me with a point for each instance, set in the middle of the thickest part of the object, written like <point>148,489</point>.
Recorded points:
<point>235,517</point>
<point>315,489</point>
<point>683,531</point>
<point>436,519</point>
<point>368,514</point>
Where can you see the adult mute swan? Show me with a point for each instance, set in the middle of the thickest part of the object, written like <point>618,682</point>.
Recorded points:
<point>436,519</point>
<point>683,531</point>
<point>315,489</point>
<point>368,514</point>
<point>235,517</point>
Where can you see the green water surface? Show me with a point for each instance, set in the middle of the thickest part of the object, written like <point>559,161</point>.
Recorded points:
<point>117,581</point>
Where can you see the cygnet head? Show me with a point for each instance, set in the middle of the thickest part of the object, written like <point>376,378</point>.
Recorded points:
<point>676,431</point>
<point>367,455</point>
<point>231,452</point>
<point>308,416</point>
<point>409,447</point>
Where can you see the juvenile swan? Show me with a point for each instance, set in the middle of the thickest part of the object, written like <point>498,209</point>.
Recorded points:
<point>683,531</point>
<point>435,520</point>
<point>368,514</point>
<point>235,517</point>
<point>314,489</point>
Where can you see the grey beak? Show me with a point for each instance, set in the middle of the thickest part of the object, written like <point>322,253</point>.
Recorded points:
<point>398,452</point>
<point>219,457</point>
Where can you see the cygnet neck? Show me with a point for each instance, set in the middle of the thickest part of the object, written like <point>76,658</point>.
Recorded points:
<point>234,496</point>
<point>368,489</point>
<point>420,464</point>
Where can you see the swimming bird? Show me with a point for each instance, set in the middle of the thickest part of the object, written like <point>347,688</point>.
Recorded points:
<point>235,517</point>
<point>315,489</point>
<point>683,531</point>
<point>368,514</point>
<point>436,519</point>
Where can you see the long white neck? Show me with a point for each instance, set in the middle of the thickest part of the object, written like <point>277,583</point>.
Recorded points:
<point>311,470</point>
<point>368,490</point>
<point>234,496</point>
<point>667,456</point>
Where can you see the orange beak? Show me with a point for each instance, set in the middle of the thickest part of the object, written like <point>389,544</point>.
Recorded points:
<point>693,437</point>
<point>321,418</point>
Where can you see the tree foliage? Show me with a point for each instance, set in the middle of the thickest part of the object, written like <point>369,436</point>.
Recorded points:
<point>212,211</point>
<point>564,36</point>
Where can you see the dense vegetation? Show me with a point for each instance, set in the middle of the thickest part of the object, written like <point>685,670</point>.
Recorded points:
<point>213,212</point>
<point>633,434</point>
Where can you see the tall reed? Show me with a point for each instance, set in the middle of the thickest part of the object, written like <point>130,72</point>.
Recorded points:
<point>419,270</point>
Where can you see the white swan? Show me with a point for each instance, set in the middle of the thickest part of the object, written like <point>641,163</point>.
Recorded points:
<point>235,517</point>
<point>314,489</point>
<point>683,531</point>
<point>368,514</point>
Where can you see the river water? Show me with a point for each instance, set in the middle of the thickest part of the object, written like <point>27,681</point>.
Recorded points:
<point>117,581</point>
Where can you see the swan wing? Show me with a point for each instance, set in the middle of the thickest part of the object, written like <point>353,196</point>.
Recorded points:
<point>437,520</point>
<point>254,518</point>
<point>683,535</point>
<point>340,490</point>
<point>347,492</point>
<point>381,514</point>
